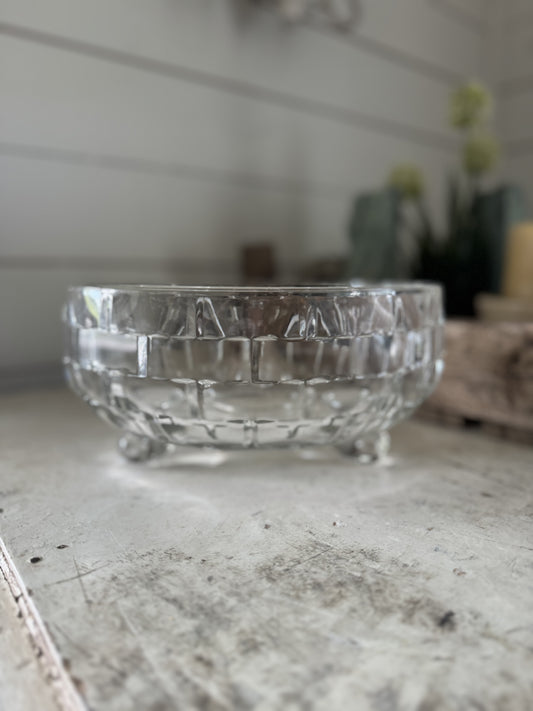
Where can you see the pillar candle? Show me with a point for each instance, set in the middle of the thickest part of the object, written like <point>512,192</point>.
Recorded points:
<point>518,273</point>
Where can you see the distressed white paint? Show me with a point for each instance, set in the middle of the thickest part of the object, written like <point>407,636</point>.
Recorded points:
<point>22,684</point>
<point>32,675</point>
<point>275,580</point>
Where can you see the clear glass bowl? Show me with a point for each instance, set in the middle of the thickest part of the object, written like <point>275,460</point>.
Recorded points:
<point>239,367</point>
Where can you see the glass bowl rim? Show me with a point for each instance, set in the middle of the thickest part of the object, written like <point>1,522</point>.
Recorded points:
<point>339,289</point>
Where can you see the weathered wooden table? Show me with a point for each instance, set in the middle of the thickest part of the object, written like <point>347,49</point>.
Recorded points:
<point>257,580</point>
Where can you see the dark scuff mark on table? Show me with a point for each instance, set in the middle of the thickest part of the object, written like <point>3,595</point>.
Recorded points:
<point>447,621</point>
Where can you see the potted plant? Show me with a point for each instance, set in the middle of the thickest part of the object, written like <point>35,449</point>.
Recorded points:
<point>463,257</point>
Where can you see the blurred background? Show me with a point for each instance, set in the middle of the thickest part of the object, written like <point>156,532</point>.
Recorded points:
<point>162,141</point>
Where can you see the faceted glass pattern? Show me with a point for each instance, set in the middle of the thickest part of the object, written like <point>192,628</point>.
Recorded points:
<point>254,367</point>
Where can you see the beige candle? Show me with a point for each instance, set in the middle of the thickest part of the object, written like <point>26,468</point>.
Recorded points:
<point>518,274</point>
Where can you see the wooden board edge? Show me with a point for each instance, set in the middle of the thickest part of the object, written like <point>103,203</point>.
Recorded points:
<point>45,651</point>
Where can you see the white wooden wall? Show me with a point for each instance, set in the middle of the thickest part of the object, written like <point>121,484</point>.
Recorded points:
<point>515,90</point>
<point>146,140</point>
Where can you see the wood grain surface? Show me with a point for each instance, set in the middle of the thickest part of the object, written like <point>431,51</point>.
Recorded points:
<point>23,685</point>
<point>279,580</point>
<point>488,374</point>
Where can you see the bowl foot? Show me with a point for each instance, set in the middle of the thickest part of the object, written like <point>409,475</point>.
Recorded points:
<point>367,448</point>
<point>137,448</point>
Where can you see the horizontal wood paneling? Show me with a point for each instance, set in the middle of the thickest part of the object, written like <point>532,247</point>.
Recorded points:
<point>512,44</point>
<point>343,91</point>
<point>417,34</point>
<point>117,110</point>
<point>518,118</point>
<point>238,39</point>
<point>519,170</point>
<point>85,210</point>
<point>82,209</point>
<point>517,60</point>
<point>518,13</point>
<point>470,14</point>
<point>515,51</point>
<point>147,141</point>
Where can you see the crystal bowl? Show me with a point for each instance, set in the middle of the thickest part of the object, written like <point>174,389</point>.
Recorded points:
<point>244,367</point>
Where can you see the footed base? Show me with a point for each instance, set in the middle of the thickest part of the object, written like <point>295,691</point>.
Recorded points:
<point>137,448</point>
<point>366,449</point>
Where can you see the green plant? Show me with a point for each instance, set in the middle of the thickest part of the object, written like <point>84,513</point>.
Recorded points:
<point>458,258</point>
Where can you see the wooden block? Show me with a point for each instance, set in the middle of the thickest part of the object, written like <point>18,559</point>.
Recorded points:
<point>488,374</point>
